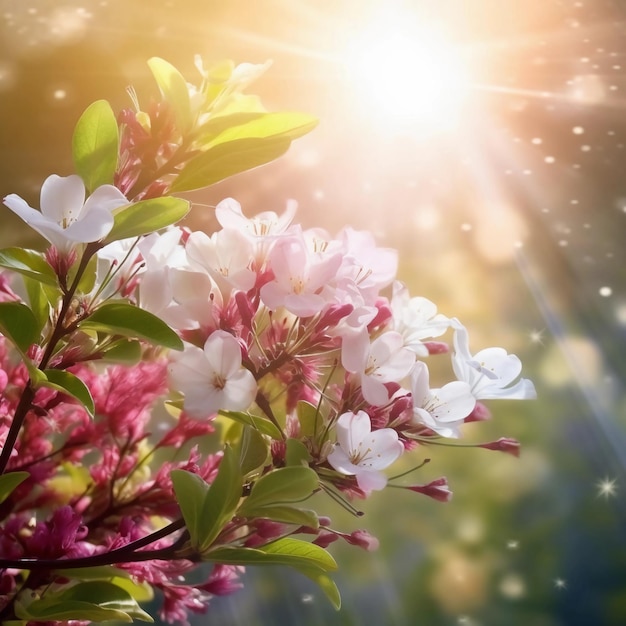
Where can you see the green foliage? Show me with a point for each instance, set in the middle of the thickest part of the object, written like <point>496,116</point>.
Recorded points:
<point>287,125</point>
<point>29,263</point>
<point>19,325</point>
<point>227,159</point>
<point>119,318</point>
<point>308,417</point>
<point>307,558</point>
<point>261,424</point>
<point>8,482</point>
<point>174,90</point>
<point>67,383</point>
<point>123,351</point>
<point>252,450</point>
<point>279,487</point>
<point>297,453</point>
<point>95,145</point>
<point>146,216</point>
<point>206,508</point>
<point>95,601</point>
<point>40,298</point>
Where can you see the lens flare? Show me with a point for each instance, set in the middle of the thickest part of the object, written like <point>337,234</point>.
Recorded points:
<point>412,77</point>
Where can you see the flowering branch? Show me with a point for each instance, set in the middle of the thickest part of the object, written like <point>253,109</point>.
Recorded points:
<point>294,355</point>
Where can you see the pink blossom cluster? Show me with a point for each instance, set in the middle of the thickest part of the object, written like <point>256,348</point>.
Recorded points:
<point>274,315</point>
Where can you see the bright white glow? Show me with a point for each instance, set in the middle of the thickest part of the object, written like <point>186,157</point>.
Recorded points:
<point>409,76</point>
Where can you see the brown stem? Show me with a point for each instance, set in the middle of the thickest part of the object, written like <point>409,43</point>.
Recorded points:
<point>29,393</point>
<point>125,554</point>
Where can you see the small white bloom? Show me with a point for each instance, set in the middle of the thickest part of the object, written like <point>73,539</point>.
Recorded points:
<point>384,360</point>
<point>490,372</point>
<point>65,219</point>
<point>416,319</point>
<point>213,378</point>
<point>442,410</point>
<point>227,255</point>
<point>362,453</point>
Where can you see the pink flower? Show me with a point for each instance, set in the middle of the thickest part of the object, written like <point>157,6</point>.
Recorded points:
<point>362,453</point>
<point>302,277</point>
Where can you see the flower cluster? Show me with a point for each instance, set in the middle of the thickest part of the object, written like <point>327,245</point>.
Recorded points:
<point>171,397</point>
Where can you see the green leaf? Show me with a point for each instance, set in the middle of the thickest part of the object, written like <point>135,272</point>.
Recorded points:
<point>222,499</point>
<point>308,416</point>
<point>19,325</point>
<point>285,551</point>
<point>120,318</point>
<point>297,453</point>
<point>141,592</point>
<point>94,601</point>
<point>39,296</point>
<point>326,584</point>
<point>207,508</point>
<point>191,491</point>
<point>94,145</point>
<point>307,558</point>
<point>280,486</point>
<point>288,515</point>
<point>252,450</point>
<point>123,351</point>
<point>67,383</point>
<point>147,216</point>
<point>217,125</point>
<point>9,481</point>
<point>174,90</point>
<point>227,159</point>
<point>285,125</point>
<point>261,424</point>
<point>29,263</point>
<point>88,278</point>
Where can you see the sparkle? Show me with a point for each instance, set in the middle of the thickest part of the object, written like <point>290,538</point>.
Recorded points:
<point>512,544</point>
<point>536,336</point>
<point>560,583</point>
<point>607,487</point>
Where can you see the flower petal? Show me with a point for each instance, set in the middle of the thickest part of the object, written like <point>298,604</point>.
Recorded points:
<point>62,197</point>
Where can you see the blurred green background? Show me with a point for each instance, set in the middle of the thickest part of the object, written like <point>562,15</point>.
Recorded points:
<point>485,140</point>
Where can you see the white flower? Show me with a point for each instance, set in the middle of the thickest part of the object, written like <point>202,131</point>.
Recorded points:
<point>442,410</point>
<point>489,372</point>
<point>362,453</point>
<point>213,379</point>
<point>416,319</point>
<point>65,218</point>
<point>384,360</point>
<point>227,255</point>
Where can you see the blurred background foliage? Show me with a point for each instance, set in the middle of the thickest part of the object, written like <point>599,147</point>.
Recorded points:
<point>485,140</point>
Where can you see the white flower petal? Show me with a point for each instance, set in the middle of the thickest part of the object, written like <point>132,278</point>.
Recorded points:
<point>62,197</point>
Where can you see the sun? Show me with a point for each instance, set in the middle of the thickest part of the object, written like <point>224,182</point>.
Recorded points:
<point>410,75</point>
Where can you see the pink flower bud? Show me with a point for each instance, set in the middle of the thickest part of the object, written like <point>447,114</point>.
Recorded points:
<point>479,414</point>
<point>437,489</point>
<point>324,539</point>
<point>504,444</point>
<point>437,347</point>
<point>363,539</point>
